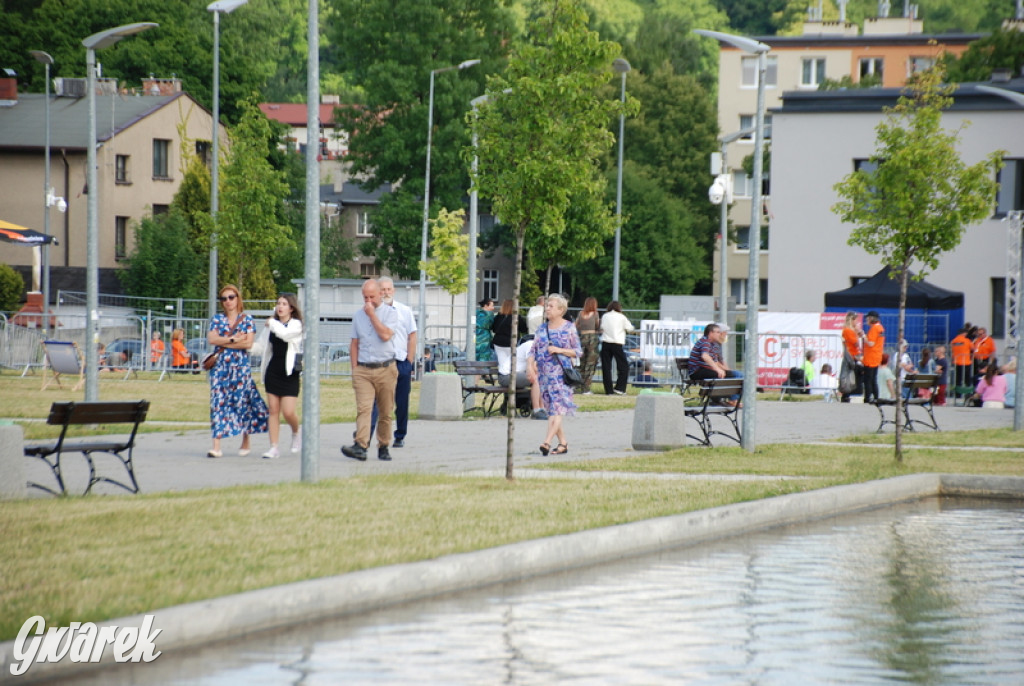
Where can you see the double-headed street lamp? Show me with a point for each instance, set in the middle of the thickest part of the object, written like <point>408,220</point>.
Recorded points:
<point>750,351</point>
<point>96,41</point>
<point>421,325</point>
<point>218,8</point>
<point>621,66</point>
<point>1018,407</point>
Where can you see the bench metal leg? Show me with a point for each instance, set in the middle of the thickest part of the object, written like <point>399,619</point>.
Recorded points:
<point>55,468</point>
<point>126,462</point>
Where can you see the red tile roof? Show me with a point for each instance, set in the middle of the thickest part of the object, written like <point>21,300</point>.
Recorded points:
<point>294,114</point>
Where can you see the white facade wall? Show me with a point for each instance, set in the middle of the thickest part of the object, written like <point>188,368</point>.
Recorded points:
<point>811,152</point>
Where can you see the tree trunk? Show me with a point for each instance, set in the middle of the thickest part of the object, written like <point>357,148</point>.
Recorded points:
<point>900,333</point>
<point>547,279</point>
<point>511,397</point>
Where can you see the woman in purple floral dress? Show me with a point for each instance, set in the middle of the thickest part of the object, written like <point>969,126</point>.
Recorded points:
<point>554,347</point>
<point>236,407</point>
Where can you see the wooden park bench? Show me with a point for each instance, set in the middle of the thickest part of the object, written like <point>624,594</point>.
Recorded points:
<point>481,377</point>
<point>66,414</point>
<point>713,400</point>
<point>914,383</point>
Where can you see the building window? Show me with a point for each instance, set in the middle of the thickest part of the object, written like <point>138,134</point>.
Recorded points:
<point>160,209</point>
<point>363,225</point>
<point>998,307</point>
<point>916,64</point>
<point>161,159</point>
<point>813,72</point>
<point>871,66</point>
<point>369,271</point>
<point>203,151</point>
<point>738,290</point>
<point>743,238</point>
<point>490,284</point>
<point>771,72</point>
<point>1010,195</point>
<point>120,237</point>
<point>121,174</point>
<point>747,121</point>
<point>742,185</point>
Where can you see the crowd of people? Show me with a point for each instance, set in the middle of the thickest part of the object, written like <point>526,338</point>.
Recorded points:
<point>972,372</point>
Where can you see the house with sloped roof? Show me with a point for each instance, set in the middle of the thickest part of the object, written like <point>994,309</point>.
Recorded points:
<point>142,136</point>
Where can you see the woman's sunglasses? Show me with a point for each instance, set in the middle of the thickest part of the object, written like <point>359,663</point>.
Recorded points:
<point>227,297</point>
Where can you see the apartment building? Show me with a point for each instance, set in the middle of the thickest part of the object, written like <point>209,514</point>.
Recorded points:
<point>886,52</point>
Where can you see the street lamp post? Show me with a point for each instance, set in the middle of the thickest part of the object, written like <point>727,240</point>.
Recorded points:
<point>219,7</point>
<point>48,199</point>
<point>96,41</point>
<point>723,238</point>
<point>1018,407</point>
<point>621,66</point>
<point>750,352</point>
<point>421,325</point>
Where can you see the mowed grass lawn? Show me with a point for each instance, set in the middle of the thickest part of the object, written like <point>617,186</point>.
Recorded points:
<point>95,558</point>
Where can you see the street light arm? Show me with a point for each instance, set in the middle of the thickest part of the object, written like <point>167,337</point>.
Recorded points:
<point>746,44</point>
<point>105,39</point>
<point>225,6</point>
<point>1012,96</point>
<point>742,133</point>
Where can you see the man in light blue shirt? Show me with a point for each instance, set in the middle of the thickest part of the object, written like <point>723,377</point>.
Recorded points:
<point>404,341</point>
<point>373,371</point>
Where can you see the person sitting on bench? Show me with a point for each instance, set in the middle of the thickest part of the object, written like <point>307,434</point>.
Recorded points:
<point>706,360</point>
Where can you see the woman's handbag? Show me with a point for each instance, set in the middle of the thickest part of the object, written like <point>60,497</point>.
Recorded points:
<point>297,366</point>
<point>211,359</point>
<point>571,375</point>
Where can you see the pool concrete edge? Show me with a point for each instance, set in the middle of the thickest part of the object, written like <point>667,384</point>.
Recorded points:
<point>234,616</point>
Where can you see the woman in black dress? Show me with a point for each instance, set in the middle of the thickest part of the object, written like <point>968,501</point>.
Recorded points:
<point>282,344</point>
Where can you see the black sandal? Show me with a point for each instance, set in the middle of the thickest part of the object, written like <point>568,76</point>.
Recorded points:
<point>545,448</point>
<point>560,449</point>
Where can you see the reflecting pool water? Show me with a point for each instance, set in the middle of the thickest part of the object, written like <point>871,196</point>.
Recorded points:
<point>925,593</point>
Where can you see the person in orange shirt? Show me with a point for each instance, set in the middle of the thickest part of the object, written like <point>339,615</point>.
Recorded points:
<point>156,349</point>
<point>960,347</point>
<point>853,335</point>
<point>181,359</point>
<point>984,348</point>
<point>874,344</point>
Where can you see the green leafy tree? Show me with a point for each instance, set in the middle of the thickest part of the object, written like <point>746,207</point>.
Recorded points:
<point>163,263</point>
<point>11,288</point>
<point>389,50</point>
<point>249,226</point>
<point>916,204</point>
<point>541,142</point>
<point>1003,49</point>
<point>449,248</point>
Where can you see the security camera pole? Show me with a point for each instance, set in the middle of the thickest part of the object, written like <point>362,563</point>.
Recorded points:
<point>750,352</point>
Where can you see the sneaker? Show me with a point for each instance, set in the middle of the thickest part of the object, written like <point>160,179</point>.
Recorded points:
<point>618,392</point>
<point>539,414</point>
<point>297,442</point>
<point>399,443</point>
<point>355,451</point>
<point>383,453</point>
<point>272,454</point>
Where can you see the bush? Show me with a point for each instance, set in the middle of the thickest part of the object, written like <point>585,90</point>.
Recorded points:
<point>11,288</point>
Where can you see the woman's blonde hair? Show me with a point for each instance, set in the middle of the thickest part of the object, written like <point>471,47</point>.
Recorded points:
<point>238,295</point>
<point>508,307</point>
<point>561,303</point>
<point>178,335</point>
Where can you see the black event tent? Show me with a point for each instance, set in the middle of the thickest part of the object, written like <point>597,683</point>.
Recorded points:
<point>939,313</point>
<point>881,292</point>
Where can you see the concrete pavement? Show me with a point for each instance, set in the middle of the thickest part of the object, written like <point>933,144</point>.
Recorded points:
<point>176,461</point>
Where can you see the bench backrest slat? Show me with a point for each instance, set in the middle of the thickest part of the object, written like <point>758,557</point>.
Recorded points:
<point>476,367</point>
<point>721,388</point>
<point>916,381</point>
<point>120,412</point>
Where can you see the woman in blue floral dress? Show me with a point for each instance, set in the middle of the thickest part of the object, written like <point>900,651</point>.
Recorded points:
<point>555,345</point>
<point>236,407</point>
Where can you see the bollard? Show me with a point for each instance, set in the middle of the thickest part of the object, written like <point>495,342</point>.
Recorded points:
<point>440,396</point>
<point>12,462</point>
<point>658,421</point>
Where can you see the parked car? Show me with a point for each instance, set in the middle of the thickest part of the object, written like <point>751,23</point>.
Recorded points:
<point>122,352</point>
<point>443,351</point>
<point>198,347</point>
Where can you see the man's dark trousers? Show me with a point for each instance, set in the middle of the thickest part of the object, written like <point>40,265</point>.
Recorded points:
<point>402,388</point>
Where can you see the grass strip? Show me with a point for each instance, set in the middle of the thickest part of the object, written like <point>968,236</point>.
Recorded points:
<point>90,559</point>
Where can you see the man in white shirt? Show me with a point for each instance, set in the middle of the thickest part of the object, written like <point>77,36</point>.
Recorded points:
<point>535,316</point>
<point>404,339</point>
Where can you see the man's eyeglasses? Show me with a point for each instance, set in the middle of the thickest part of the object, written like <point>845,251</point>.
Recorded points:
<point>227,297</point>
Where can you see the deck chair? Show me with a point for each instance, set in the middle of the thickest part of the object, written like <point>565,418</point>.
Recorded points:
<point>62,357</point>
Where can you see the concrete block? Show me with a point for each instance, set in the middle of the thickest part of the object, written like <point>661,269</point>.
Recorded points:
<point>658,421</point>
<point>441,396</point>
<point>12,462</point>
